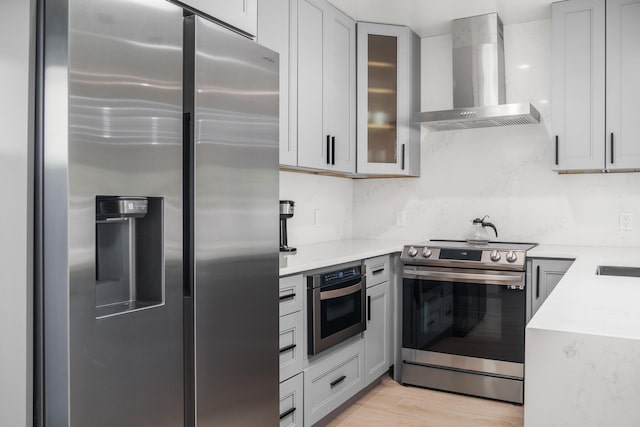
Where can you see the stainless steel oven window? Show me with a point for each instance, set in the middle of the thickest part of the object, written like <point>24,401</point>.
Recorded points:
<point>465,314</point>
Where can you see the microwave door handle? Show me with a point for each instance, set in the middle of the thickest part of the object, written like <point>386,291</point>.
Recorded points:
<point>342,292</point>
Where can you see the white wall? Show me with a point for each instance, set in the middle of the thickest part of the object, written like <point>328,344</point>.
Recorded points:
<point>501,172</point>
<point>331,196</point>
<point>15,215</point>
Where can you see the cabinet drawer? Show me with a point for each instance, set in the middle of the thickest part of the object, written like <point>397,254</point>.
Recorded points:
<point>291,401</point>
<point>292,347</point>
<point>332,381</point>
<point>291,293</point>
<point>377,270</point>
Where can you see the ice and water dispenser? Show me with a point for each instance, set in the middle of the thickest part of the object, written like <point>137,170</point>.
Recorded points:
<point>129,254</point>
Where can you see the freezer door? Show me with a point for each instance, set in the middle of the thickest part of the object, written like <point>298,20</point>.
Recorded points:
<point>235,125</point>
<point>112,279</point>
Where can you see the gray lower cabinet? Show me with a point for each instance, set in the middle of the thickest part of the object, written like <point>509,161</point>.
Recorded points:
<point>545,275</point>
<point>291,294</point>
<point>292,401</point>
<point>378,270</point>
<point>377,338</point>
<point>291,344</point>
<point>292,350</point>
<point>332,380</point>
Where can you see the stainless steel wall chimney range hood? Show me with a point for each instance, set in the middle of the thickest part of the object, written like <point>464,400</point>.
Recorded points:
<point>478,80</point>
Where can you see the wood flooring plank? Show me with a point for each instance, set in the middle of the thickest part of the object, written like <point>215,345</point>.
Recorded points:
<point>392,404</point>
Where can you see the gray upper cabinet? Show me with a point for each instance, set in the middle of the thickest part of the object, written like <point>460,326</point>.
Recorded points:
<point>326,87</point>
<point>596,61</point>
<point>623,84</point>
<point>275,26</point>
<point>317,46</point>
<point>388,67</point>
<point>242,14</point>
<point>578,85</point>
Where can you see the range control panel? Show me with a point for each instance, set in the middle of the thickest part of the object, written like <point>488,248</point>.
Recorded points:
<point>472,257</point>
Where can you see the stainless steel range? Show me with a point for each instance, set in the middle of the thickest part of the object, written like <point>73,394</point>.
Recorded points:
<point>464,309</point>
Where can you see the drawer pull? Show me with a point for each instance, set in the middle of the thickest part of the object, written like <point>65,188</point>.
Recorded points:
<point>378,271</point>
<point>337,381</point>
<point>287,348</point>
<point>287,297</point>
<point>288,412</point>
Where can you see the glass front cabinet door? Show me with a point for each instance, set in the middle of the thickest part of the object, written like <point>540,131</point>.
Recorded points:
<point>388,96</point>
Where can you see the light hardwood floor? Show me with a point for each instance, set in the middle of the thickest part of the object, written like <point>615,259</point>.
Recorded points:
<point>391,404</point>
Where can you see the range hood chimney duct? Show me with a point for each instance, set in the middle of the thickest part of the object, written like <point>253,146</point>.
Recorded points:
<point>478,80</point>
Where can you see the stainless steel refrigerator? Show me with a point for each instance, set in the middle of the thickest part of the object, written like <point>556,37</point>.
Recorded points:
<point>157,219</point>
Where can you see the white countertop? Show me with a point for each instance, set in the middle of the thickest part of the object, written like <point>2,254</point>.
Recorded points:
<point>586,303</point>
<point>319,255</point>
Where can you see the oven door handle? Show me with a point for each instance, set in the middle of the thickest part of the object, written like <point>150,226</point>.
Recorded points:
<point>337,293</point>
<point>483,279</point>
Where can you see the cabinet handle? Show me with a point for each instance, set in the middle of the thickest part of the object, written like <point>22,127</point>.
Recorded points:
<point>369,308</point>
<point>431,323</point>
<point>403,155</point>
<point>287,412</point>
<point>328,149</point>
<point>287,348</point>
<point>378,271</point>
<point>333,150</point>
<point>611,147</point>
<point>287,297</point>
<point>537,282</point>
<point>337,381</point>
<point>556,150</point>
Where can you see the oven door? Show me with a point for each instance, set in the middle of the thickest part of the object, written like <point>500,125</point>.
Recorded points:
<point>464,318</point>
<point>336,313</point>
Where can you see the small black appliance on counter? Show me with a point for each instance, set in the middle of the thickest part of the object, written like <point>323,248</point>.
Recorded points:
<point>286,211</point>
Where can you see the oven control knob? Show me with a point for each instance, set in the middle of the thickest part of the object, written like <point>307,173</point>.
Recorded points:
<point>426,252</point>
<point>495,255</point>
<point>412,252</point>
<point>512,256</point>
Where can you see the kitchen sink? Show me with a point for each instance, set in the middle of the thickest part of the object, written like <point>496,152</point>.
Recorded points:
<point>613,270</point>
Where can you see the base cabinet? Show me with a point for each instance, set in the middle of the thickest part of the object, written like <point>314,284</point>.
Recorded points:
<point>330,382</point>
<point>377,338</point>
<point>545,275</point>
<point>291,344</point>
<point>292,401</point>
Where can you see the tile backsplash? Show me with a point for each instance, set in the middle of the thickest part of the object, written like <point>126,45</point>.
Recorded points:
<point>323,208</point>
